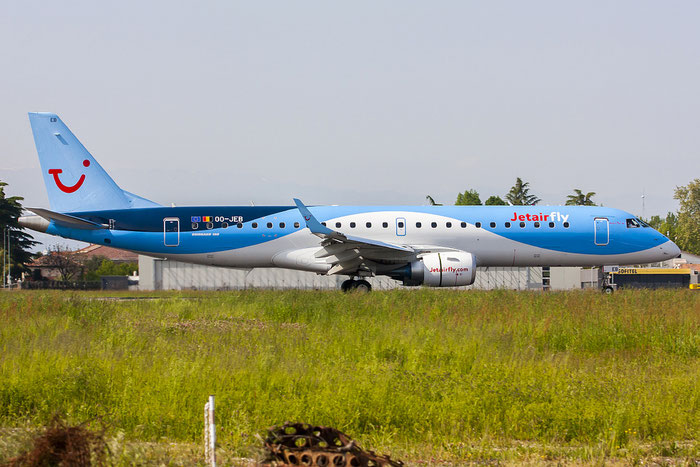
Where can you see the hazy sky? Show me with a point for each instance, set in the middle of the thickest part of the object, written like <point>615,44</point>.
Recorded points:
<point>363,102</point>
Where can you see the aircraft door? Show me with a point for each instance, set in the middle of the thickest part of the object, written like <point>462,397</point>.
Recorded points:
<point>400,226</point>
<point>601,234</point>
<point>171,231</point>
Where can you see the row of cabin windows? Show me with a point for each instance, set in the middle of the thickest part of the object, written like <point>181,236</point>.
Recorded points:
<point>434,225</point>
<point>269,225</point>
<point>385,225</point>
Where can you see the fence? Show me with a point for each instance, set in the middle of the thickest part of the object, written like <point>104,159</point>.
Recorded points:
<point>61,285</point>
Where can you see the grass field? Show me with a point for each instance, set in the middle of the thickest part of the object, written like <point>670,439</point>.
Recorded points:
<point>425,375</point>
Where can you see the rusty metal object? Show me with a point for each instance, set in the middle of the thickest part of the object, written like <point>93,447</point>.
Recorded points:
<point>301,444</point>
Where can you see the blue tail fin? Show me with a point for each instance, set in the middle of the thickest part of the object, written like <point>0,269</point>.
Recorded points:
<point>73,178</point>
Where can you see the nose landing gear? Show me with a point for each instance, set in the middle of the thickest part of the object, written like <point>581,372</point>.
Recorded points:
<point>357,285</point>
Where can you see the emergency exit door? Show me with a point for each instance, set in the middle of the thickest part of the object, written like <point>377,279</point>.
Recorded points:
<point>602,231</point>
<point>171,231</point>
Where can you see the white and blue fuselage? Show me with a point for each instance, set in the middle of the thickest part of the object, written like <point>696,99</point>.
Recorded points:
<point>276,236</point>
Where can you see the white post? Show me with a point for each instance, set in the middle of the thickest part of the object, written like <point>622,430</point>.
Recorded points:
<point>210,433</point>
<point>9,261</point>
<point>4,256</point>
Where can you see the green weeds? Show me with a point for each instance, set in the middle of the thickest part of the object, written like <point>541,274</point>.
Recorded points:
<point>422,374</point>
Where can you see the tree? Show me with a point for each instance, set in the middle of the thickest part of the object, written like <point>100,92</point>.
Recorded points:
<point>65,261</point>
<point>666,226</point>
<point>90,267</point>
<point>580,199</point>
<point>20,241</point>
<point>431,201</point>
<point>688,227</point>
<point>495,201</point>
<point>99,266</point>
<point>468,198</point>
<point>519,194</point>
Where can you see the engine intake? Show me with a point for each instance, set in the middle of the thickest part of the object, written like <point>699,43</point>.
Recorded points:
<point>449,269</point>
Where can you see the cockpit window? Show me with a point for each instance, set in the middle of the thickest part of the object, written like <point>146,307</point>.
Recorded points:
<point>633,224</point>
<point>644,224</point>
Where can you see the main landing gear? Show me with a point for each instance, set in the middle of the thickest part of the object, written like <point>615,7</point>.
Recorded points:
<point>357,285</point>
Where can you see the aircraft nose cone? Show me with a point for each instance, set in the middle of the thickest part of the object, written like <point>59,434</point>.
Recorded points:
<point>675,251</point>
<point>671,250</point>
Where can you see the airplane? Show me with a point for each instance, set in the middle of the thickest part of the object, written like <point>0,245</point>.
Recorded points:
<point>434,246</point>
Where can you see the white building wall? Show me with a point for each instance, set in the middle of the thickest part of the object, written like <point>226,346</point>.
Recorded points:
<point>158,274</point>
<point>565,278</point>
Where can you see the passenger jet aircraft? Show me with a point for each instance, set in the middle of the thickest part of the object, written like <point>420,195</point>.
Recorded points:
<point>436,246</point>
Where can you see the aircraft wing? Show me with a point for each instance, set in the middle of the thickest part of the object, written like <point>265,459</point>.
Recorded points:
<point>350,254</point>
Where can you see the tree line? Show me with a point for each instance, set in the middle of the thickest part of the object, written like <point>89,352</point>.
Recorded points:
<point>519,195</point>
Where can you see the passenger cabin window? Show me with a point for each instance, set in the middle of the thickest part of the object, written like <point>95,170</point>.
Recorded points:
<point>224,225</point>
<point>352,225</point>
<point>296,225</point>
<point>566,225</point>
<point>478,224</point>
<point>433,224</point>
<point>368,225</point>
<point>195,226</point>
<point>282,225</point>
<point>537,225</point>
<point>210,225</point>
<point>464,225</point>
<point>448,225</point>
<point>254,225</point>
<point>400,225</point>
<point>239,225</point>
<point>632,224</point>
<point>507,225</point>
<point>337,225</point>
<point>551,225</point>
<point>385,225</point>
<point>418,225</point>
<point>522,225</point>
<point>492,225</point>
<point>323,223</point>
<point>269,225</point>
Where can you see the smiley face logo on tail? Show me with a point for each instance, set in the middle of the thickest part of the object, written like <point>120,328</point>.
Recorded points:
<point>64,188</point>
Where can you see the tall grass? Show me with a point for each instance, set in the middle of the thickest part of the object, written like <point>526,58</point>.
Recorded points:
<point>419,372</point>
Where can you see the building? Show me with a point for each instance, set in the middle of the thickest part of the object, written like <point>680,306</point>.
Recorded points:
<point>55,264</point>
<point>160,274</point>
<point>112,254</point>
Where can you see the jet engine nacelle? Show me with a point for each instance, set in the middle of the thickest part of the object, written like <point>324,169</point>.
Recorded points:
<point>449,269</point>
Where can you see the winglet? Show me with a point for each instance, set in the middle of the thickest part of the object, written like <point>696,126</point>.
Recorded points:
<point>322,231</point>
<point>311,222</point>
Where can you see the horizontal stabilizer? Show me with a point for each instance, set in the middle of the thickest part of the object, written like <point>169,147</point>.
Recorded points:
<point>67,220</point>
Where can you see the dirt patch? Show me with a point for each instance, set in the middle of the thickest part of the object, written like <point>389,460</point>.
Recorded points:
<point>225,325</point>
<point>64,445</point>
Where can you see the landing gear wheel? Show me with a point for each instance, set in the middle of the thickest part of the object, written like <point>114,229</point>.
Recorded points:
<point>347,285</point>
<point>608,290</point>
<point>363,286</point>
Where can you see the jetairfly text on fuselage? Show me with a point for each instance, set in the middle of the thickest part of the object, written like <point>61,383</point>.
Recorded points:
<point>556,215</point>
